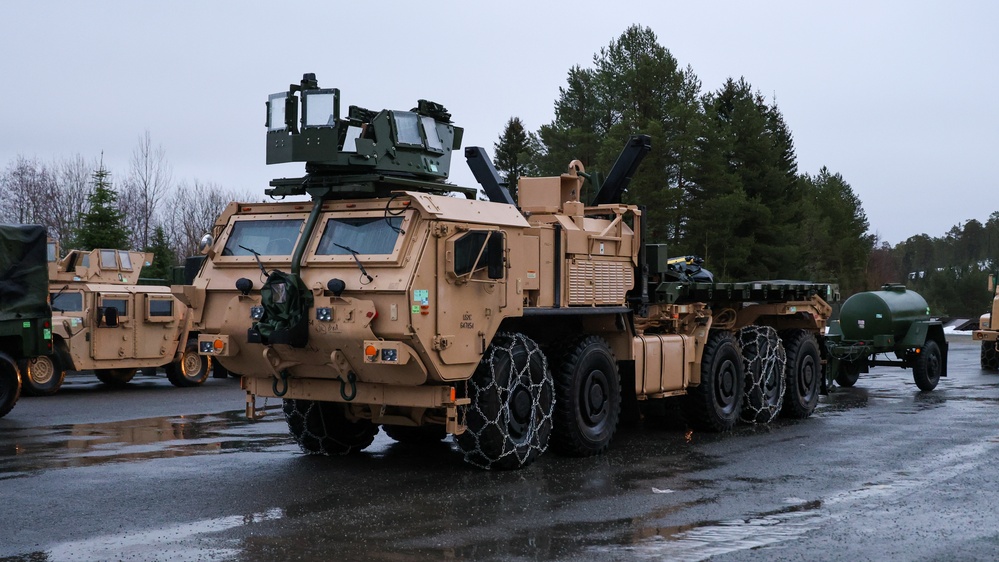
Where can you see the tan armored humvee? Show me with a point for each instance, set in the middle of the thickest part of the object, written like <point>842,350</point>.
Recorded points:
<point>383,302</point>
<point>104,321</point>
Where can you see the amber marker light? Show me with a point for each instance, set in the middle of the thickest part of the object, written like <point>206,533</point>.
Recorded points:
<point>218,345</point>
<point>454,395</point>
<point>370,352</point>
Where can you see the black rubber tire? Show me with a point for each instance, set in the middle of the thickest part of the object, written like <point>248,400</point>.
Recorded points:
<point>990,357</point>
<point>322,428</point>
<point>765,385</point>
<point>509,421</point>
<point>416,435</point>
<point>220,372</point>
<point>10,384</point>
<point>849,373</point>
<point>115,377</point>
<point>587,398</point>
<point>192,369</point>
<point>804,374</point>
<point>42,375</point>
<point>926,370</point>
<point>716,403</point>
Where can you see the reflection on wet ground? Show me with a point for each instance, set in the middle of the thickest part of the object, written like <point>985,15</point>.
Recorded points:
<point>27,450</point>
<point>662,492</point>
<point>177,543</point>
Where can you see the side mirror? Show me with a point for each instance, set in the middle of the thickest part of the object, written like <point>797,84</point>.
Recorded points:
<point>205,243</point>
<point>495,256</point>
<point>111,317</point>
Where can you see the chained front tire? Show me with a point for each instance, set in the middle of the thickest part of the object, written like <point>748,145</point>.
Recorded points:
<point>323,428</point>
<point>587,398</point>
<point>804,374</point>
<point>716,403</point>
<point>509,420</point>
<point>990,357</point>
<point>764,361</point>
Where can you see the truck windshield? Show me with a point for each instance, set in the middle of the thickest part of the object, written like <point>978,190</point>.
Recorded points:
<point>364,235</point>
<point>267,237</point>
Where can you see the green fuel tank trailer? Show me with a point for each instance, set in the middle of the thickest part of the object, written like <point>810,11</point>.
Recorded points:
<point>892,320</point>
<point>891,310</point>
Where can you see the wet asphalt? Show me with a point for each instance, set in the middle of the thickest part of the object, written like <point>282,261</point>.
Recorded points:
<point>881,471</point>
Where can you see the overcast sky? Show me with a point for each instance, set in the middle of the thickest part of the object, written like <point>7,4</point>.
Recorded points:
<point>898,97</point>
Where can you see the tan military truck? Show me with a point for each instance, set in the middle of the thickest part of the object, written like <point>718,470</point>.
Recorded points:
<point>987,333</point>
<point>104,321</point>
<point>386,302</point>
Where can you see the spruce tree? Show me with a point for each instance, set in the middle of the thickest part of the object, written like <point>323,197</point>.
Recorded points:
<point>164,257</point>
<point>515,154</point>
<point>103,223</point>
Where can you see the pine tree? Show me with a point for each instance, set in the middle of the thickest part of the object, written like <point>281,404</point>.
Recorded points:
<point>515,154</point>
<point>164,257</point>
<point>103,224</point>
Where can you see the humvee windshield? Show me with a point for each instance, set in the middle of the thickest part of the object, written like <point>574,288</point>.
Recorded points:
<point>67,302</point>
<point>266,237</point>
<point>366,235</point>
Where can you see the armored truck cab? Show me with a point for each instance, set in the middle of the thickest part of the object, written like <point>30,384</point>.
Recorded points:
<point>25,317</point>
<point>385,302</point>
<point>106,322</point>
<point>988,331</point>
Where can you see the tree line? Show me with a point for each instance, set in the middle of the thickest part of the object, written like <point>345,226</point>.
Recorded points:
<point>950,271</point>
<point>86,206</point>
<point>722,180</point>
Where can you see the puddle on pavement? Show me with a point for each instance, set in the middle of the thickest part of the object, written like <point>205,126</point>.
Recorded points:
<point>176,543</point>
<point>702,540</point>
<point>24,451</point>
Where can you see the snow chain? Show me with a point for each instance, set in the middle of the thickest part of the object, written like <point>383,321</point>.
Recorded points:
<point>763,345</point>
<point>501,420</point>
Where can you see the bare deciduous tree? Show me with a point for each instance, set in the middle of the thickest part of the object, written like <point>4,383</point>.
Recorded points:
<point>193,209</point>
<point>74,186</point>
<point>27,187</point>
<point>146,185</point>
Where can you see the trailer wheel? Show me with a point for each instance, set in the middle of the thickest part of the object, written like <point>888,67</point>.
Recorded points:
<point>509,420</point>
<point>849,373</point>
<point>764,361</point>
<point>804,374</point>
<point>192,369</point>
<point>926,369</point>
<point>42,375</point>
<point>716,403</point>
<point>10,384</point>
<point>418,435</point>
<point>990,357</point>
<point>587,398</point>
<point>115,377</point>
<point>322,428</point>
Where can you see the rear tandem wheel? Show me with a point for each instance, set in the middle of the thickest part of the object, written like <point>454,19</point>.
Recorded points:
<point>716,403</point>
<point>804,373</point>
<point>587,398</point>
